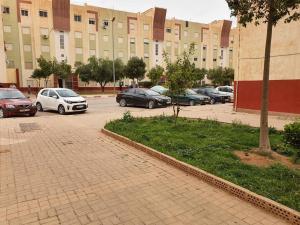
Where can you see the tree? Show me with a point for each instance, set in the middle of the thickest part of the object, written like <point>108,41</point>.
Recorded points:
<point>61,69</point>
<point>198,75</point>
<point>269,12</point>
<point>135,68</point>
<point>221,76</point>
<point>155,74</point>
<point>180,76</point>
<point>44,71</point>
<point>84,72</point>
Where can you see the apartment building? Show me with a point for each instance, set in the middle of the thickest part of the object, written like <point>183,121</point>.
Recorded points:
<point>55,28</point>
<point>284,81</point>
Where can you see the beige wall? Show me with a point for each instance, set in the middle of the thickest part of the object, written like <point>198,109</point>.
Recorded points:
<point>285,53</point>
<point>3,78</point>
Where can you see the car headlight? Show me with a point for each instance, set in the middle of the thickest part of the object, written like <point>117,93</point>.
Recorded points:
<point>8,106</point>
<point>67,101</point>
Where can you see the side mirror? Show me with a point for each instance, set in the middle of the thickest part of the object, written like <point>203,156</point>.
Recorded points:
<point>55,96</point>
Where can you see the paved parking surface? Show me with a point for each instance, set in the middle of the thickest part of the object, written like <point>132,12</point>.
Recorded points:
<point>60,170</point>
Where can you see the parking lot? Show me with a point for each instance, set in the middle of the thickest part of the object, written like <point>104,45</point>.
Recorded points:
<point>58,169</point>
<point>106,108</point>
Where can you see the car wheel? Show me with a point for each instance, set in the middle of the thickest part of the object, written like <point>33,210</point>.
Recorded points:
<point>192,102</point>
<point>1,113</point>
<point>212,101</point>
<point>61,110</point>
<point>151,104</point>
<point>39,107</point>
<point>123,102</point>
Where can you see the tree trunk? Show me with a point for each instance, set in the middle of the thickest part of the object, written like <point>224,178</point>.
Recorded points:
<point>264,142</point>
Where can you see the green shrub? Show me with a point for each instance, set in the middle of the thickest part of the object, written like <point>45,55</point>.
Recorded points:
<point>292,137</point>
<point>292,134</point>
<point>127,117</point>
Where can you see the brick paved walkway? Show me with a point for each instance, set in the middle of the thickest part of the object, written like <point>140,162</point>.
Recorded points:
<point>53,171</point>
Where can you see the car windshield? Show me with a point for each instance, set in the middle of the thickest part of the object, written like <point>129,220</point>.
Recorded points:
<point>211,90</point>
<point>159,89</point>
<point>152,93</point>
<point>11,94</point>
<point>190,92</point>
<point>66,93</point>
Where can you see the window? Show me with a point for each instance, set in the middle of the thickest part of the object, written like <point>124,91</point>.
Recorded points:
<point>132,40</point>
<point>120,54</point>
<point>185,46</point>
<point>6,10</point>
<point>105,38</point>
<point>156,49</point>
<point>7,29</point>
<point>215,60</point>
<point>45,48</point>
<point>11,64</point>
<point>24,12</point>
<point>27,48</point>
<point>105,23</point>
<point>92,21</point>
<point>186,23</point>
<point>78,51</point>
<point>146,27</point>
<point>196,47</point>
<point>131,26</point>
<point>44,31</point>
<point>25,30</point>
<point>169,30</point>
<point>146,41</point>
<point>8,47</point>
<point>52,93</point>
<point>195,59</point>
<point>185,33</point>
<point>204,47</point>
<point>169,43</point>
<point>43,13</point>
<point>120,25</point>
<point>120,40</point>
<point>222,54</point>
<point>62,40</point>
<point>92,52</point>
<point>92,37</point>
<point>106,53</point>
<point>196,34</point>
<point>78,34</point>
<point>146,55</point>
<point>77,18</point>
<point>44,92</point>
<point>204,59</point>
<point>28,65</point>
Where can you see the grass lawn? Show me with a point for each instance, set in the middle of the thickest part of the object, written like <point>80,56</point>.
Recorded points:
<point>209,145</point>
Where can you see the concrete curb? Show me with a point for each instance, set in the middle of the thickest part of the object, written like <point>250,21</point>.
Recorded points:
<point>269,205</point>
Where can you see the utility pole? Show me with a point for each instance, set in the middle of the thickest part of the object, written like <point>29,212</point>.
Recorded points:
<point>113,52</point>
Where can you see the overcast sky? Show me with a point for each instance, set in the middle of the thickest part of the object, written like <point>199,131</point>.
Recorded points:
<point>203,11</point>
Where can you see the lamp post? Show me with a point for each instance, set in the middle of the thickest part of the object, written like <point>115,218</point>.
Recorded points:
<point>113,52</point>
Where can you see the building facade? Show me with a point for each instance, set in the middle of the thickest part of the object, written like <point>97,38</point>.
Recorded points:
<point>284,69</point>
<point>55,28</point>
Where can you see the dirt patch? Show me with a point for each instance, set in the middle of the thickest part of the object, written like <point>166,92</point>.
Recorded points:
<point>253,158</point>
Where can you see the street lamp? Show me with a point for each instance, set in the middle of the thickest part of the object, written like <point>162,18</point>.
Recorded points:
<point>113,52</point>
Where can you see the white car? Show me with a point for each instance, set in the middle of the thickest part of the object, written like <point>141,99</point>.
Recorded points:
<point>60,99</point>
<point>226,90</point>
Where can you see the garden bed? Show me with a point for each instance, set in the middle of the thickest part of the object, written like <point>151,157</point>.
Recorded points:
<point>210,145</point>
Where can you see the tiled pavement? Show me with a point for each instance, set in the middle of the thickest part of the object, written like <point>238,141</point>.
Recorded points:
<point>60,170</point>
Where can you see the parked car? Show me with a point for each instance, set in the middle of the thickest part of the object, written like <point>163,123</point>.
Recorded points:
<point>214,95</point>
<point>14,103</point>
<point>62,100</point>
<point>226,90</point>
<point>142,97</point>
<point>191,98</point>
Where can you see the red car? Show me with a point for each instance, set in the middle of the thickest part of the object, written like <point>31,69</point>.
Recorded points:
<point>14,103</point>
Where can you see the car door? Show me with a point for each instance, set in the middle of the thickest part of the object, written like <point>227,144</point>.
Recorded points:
<point>43,97</point>
<point>140,97</point>
<point>53,101</point>
<point>129,96</point>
